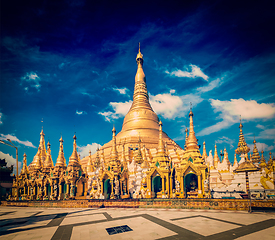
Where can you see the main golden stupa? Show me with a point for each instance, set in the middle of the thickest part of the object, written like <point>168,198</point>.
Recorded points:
<point>141,124</point>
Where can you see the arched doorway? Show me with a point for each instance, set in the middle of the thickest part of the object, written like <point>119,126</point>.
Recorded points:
<point>190,183</point>
<point>156,185</point>
<point>107,189</point>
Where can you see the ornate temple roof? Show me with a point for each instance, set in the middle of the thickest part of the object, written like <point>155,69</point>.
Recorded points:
<point>246,166</point>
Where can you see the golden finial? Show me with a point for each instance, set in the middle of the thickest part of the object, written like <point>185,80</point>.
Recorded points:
<point>191,113</point>
<point>139,58</point>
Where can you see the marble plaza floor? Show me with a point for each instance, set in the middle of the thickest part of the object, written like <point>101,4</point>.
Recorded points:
<point>21,223</point>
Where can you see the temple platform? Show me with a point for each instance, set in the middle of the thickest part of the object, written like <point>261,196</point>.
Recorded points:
<point>128,223</point>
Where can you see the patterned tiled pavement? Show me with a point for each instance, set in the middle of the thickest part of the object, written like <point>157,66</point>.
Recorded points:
<point>106,223</point>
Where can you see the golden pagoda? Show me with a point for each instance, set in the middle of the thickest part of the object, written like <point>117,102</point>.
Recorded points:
<point>140,123</point>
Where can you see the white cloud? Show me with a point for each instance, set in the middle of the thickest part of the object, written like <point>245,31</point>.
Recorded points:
<point>11,161</point>
<point>226,140</point>
<point>80,112</point>
<point>1,116</point>
<point>172,91</point>
<point>166,104</point>
<point>15,139</point>
<point>120,110</point>
<point>247,109</point>
<point>33,79</point>
<point>267,134</point>
<point>260,126</point>
<point>84,150</point>
<point>195,72</point>
<point>215,128</point>
<point>213,84</point>
<point>122,91</point>
<point>230,112</point>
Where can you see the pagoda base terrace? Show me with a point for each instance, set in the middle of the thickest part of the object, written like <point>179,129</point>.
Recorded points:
<point>214,204</point>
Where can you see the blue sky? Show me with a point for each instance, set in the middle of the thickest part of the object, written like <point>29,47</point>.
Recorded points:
<point>72,64</point>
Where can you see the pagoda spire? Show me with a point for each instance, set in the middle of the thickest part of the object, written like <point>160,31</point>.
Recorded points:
<point>74,158</point>
<point>97,159</point>
<point>204,153</point>
<point>235,164</point>
<point>37,160</point>
<point>42,145</point>
<point>141,114</point>
<point>242,146</point>
<point>216,157</point>
<point>90,163</point>
<point>161,157</point>
<point>60,162</point>
<point>186,137</point>
<point>161,146</point>
<point>225,159</point>
<point>255,156</point>
<point>262,162</point>
<point>270,161</point>
<point>25,167</point>
<point>192,142</point>
<point>48,162</point>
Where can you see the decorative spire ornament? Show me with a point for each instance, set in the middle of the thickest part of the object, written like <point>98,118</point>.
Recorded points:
<point>61,162</point>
